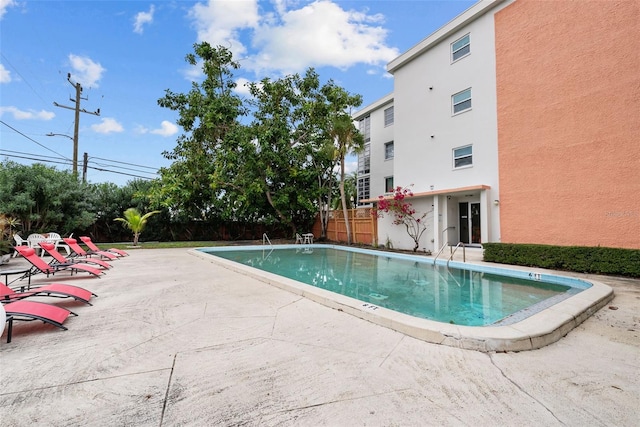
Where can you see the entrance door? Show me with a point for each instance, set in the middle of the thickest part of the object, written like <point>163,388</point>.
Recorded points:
<point>475,223</point>
<point>463,209</point>
<point>469,220</point>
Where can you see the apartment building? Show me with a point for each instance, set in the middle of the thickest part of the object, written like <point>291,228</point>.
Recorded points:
<point>517,121</point>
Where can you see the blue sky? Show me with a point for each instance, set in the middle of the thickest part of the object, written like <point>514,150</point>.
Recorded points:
<point>125,54</point>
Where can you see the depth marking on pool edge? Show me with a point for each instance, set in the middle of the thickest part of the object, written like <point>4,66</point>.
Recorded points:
<point>370,306</point>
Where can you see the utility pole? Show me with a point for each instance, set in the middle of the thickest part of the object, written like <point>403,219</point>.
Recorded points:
<point>84,167</point>
<point>76,127</point>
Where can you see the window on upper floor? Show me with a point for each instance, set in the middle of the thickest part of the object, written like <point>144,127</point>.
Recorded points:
<point>388,116</point>
<point>388,150</point>
<point>388,184</point>
<point>364,160</point>
<point>365,128</point>
<point>463,156</point>
<point>460,48</point>
<point>363,189</point>
<point>461,101</point>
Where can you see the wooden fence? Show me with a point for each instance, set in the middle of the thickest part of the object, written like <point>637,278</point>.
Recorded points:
<point>364,226</point>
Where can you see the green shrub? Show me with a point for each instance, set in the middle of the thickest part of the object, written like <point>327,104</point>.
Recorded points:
<point>594,260</point>
<point>5,247</point>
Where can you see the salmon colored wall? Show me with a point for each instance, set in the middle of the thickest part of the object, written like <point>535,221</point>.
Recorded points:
<point>568,79</point>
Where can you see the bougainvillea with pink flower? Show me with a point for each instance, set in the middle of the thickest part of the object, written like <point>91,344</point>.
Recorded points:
<point>403,213</point>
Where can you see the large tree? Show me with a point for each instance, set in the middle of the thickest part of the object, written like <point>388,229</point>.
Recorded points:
<point>210,115</point>
<point>276,167</point>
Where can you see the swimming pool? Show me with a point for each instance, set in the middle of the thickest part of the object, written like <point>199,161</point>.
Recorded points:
<point>472,306</point>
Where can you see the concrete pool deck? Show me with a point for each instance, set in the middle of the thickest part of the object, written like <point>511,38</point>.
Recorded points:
<point>175,340</point>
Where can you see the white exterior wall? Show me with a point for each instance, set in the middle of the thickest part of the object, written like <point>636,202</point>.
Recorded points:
<point>423,87</point>
<point>380,135</point>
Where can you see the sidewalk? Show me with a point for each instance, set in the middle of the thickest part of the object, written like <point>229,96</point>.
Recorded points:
<point>175,340</point>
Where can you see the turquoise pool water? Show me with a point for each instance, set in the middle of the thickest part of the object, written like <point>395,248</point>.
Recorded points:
<point>409,285</point>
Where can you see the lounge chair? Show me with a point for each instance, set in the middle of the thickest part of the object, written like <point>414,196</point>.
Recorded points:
<point>58,258</point>
<point>32,310</point>
<point>93,248</point>
<point>40,266</point>
<point>79,252</point>
<point>55,290</point>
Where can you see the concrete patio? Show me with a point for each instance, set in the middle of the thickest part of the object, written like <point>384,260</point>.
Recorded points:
<point>175,340</point>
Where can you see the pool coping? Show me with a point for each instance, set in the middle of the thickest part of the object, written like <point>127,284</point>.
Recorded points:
<point>536,331</point>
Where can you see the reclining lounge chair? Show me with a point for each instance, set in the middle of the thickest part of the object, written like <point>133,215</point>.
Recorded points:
<point>79,252</point>
<point>40,266</point>
<point>32,310</point>
<point>93,248</point>
<point>55,290</point>
<point>58,258</point>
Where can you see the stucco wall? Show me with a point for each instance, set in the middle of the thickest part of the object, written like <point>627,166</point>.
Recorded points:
<point>568,91</point>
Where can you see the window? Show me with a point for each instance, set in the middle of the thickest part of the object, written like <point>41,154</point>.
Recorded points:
<point>363,189</point>
<point>364,160</point>
<point>365,128</point>
<point>463,156</point>
<point>461,101</point>
<point>388,150</point>
<point>460,48</point>
<point>388,184</point>
<point>388,116</point>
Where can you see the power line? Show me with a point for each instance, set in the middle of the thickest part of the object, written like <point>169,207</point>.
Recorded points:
<point>38,160</point>
<point>46,159</point>
<point>33,140</point>
<point>125,163</point>
<point>23,78</point>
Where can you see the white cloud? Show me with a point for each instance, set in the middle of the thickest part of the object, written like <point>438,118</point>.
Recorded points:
<point>193,73</point>
<point>108,125</point>
<point>5,76</point>
<point>242,86</point>
<point>143,18</point>
<point>140,130</point>
<point>5,4</point>
<point>288,40</point>
<point>321,34</point>
<point>218,22</point>
<point>27,115</point>
<point>86,71</point>
<point>166,129</point>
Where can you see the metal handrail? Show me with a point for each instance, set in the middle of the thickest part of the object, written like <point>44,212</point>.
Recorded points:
<point>445,244</point>
<point>464,254</point>
<point>265,238</point>
<point>439,252</point>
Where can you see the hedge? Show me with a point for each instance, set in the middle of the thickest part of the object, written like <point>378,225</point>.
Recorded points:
<point>593,260</point>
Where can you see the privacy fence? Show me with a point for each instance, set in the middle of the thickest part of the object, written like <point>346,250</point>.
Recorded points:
<point>363,226</point>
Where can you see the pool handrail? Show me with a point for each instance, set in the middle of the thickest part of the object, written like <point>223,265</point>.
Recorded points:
<point>464,254</point>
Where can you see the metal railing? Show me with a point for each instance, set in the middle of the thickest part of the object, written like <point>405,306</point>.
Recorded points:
<point>444,245</point>
<point>265,239</point>
<point>464,254</point>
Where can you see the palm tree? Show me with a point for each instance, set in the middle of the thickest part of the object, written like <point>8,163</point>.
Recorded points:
<point>135,222</point>
<point>349,140</point>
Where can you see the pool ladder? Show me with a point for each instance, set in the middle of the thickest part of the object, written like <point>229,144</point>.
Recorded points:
<point>265,239</point>
<point>453,251</point>
<point>464,254</point>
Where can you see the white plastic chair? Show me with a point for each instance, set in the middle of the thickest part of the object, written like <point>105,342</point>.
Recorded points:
<point>34,242</point>
<point>57,240</point>
<point>19,242</point>
<point>299,239</point>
